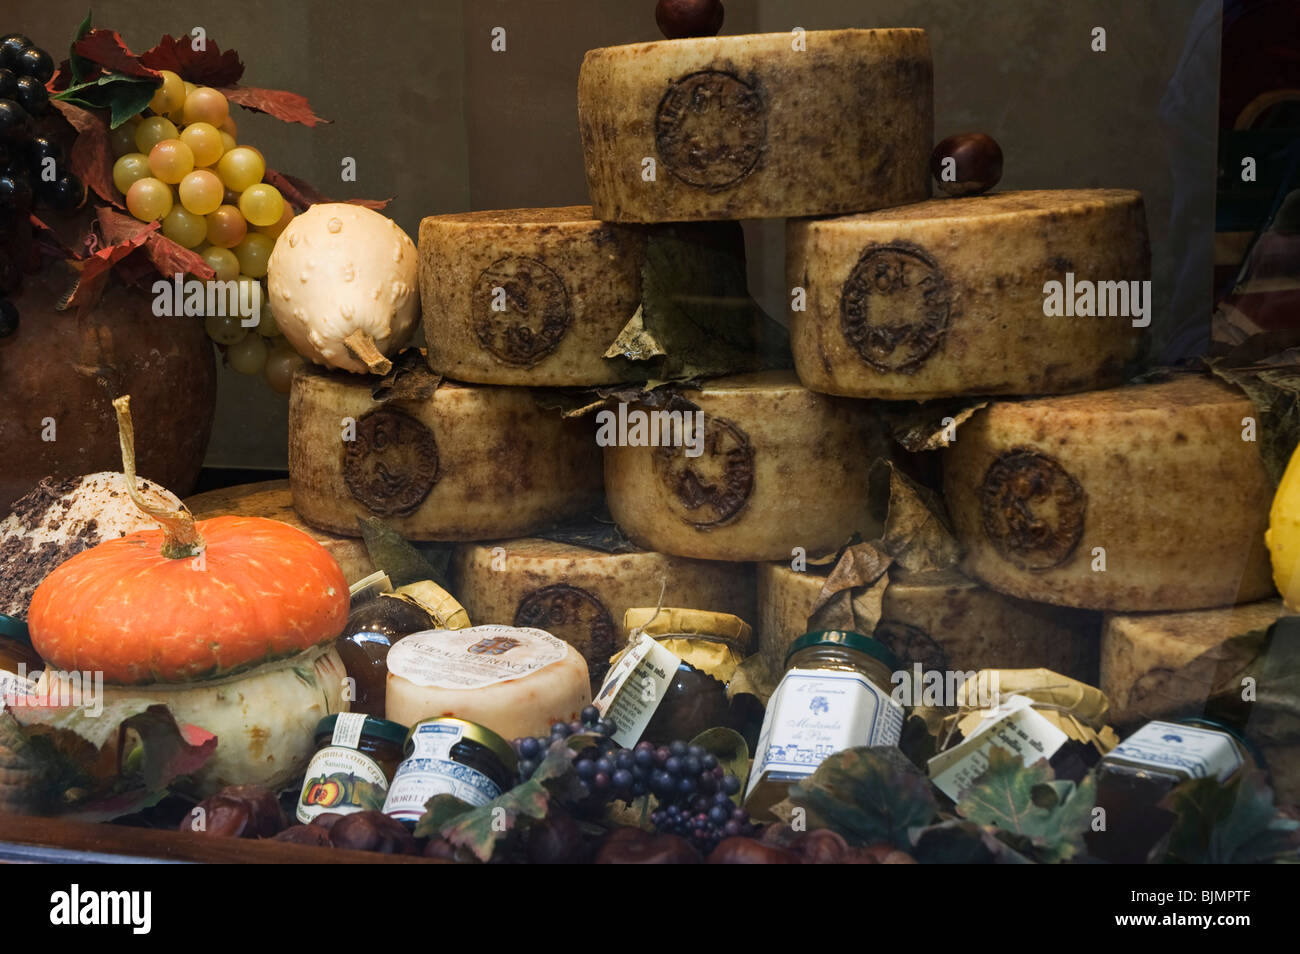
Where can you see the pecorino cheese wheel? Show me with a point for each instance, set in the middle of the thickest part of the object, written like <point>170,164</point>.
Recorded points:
<point>580,594</point>
<point>1163,665</point>
<point>942,620</point>
<point>1135,498</point>
<point>946,297</point>
<point>464,463</point>
<point>779,467</point>
<point>528,296</point>
<point>757,126</point>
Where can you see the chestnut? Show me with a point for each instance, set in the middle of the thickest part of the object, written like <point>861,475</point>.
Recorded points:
<point>237,811</point>
<point>967,164</point>
<point>632,846</point>
<point>305,835</point>
<point>372,831</point>
<point>440,848</point>
<point>821,846</point>
<point>556,841</point>
<point>679,19</point>
<point>327,820</point>
<point>740,850</point>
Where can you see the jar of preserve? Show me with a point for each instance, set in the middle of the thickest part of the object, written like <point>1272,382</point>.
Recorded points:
<point>1138,773</point>
<point>452,757</point>
<point>355,759</point>
<point>836,694</point>
<point>670,681</point>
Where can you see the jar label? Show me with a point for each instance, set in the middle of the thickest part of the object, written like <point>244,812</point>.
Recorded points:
<point>341,779</point>
<point>1013,726</point>
<point>12,684</point>
<point>817,712</point>
<point>1200,752</point>
<point>430,770</point>
<point>347,729</point>
<point>475,657</point>
<point>634,687</point>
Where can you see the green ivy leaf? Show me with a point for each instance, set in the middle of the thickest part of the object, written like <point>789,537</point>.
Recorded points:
<point>400,559</point>
<point>480,829</point>
<point>123,96</point>
<point>1235,823</point>
<point>867,795</point>
<point>79,66</point>
<point>439,812</point>
<point>731,751</point>
<point>1028,802</point>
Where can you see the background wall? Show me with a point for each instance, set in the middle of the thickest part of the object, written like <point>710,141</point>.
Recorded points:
<point>438,120</point>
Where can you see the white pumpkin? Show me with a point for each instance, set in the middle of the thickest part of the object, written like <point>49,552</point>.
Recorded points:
<point>343,286</point>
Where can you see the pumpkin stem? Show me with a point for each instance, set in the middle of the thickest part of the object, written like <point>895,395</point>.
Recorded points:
<point>181,534</point>
<point>362,347</point>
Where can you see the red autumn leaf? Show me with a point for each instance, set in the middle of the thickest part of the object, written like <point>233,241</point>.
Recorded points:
<point>283,105</point>
<point>49,240</point>
<point>301,194</point>
<point>106,48</point>
<point>91,156</point>
<point>95,269</point>
<point>168,257</point>
<point>206,67</point>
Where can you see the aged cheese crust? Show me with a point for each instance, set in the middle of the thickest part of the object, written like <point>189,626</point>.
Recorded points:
<point>945,297</point>
<point>467,463</point>
<point>1155,478</point>
<point>580,594</point>
<point>743,127</point>
<point>528,296</point>
<point>781,467</point>
<point>940,619</point>
<point>1162,665</point>
<point>271,498</point>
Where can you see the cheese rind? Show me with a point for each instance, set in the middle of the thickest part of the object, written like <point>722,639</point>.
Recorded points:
<point>528,296</point>
<point>753,126</point>
<point>941,619</point>
<point>465,463</point>
<point>515,681</point>
<point>781,468</point>
<point>1135,498</point>
<point>946,297</point>
<point>1163,665</point>
<point>581,594</point>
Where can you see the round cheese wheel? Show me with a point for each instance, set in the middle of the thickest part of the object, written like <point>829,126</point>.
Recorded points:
<point>946,297</point>
<point>516,681</point>
<point>464,463</point>
<point>271,498</point>
<point>757,126</point>
<point>1134,498</point>
<point>779,467</point>
<point>580,594</point>
<point>1163,665</point>
<point>941,619</point>
<point>528,296</point>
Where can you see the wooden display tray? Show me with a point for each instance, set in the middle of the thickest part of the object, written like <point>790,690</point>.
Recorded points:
<point>271,498</point>
<point>54,841</point>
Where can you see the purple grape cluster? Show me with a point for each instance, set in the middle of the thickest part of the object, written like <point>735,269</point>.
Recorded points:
<point>603,768</point>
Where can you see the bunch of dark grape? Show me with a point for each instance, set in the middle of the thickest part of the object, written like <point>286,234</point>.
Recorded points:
<point>694,793</point>
<point>31,165</point>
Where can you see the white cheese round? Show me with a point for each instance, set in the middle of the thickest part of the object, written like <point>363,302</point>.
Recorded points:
<point>757,126</point>
<point>516,681</point>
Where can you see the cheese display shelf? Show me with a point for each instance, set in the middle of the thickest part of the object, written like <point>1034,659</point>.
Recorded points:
<point>586,552</point>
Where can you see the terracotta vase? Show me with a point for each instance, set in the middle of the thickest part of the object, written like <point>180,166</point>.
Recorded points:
<point>59,374</point>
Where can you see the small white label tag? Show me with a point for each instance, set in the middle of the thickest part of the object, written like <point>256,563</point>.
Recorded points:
<point>1012,726</point>
<point>634,687</point>
<point>347,729</point>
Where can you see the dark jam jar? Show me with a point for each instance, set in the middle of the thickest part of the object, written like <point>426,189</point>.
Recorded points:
<point>354,763</point>
<point>449,757</point>
<point>1135,775</point>
<point>371,630</point>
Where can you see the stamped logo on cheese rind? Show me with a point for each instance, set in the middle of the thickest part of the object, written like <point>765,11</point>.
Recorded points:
<point>1032,508</point>
<point>575,616</point>
<point>894,307</point>
<point>392,464</point>
<point>710,489</point>
<point>710,129</point>
<point>911,644</point>
<point>520,310</point>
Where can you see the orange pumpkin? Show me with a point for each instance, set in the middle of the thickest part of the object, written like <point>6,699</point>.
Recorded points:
<point>192,601</point>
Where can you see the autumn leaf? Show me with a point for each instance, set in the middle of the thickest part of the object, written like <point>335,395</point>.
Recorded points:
<point>1236,823</point>
<point>95,269</point>
<point>301,195</point>
<point>91,156</point>
<point>283,105</point>
<point>1028,803</point>
<point>207,67</point>
<point>867,795</point>
<point>106,48</point>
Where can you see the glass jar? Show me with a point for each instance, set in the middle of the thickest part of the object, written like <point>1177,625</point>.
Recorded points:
<point>1138,773</point>
<point>355,759</point>
<point>452,757</point>
<point>836,694</point>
